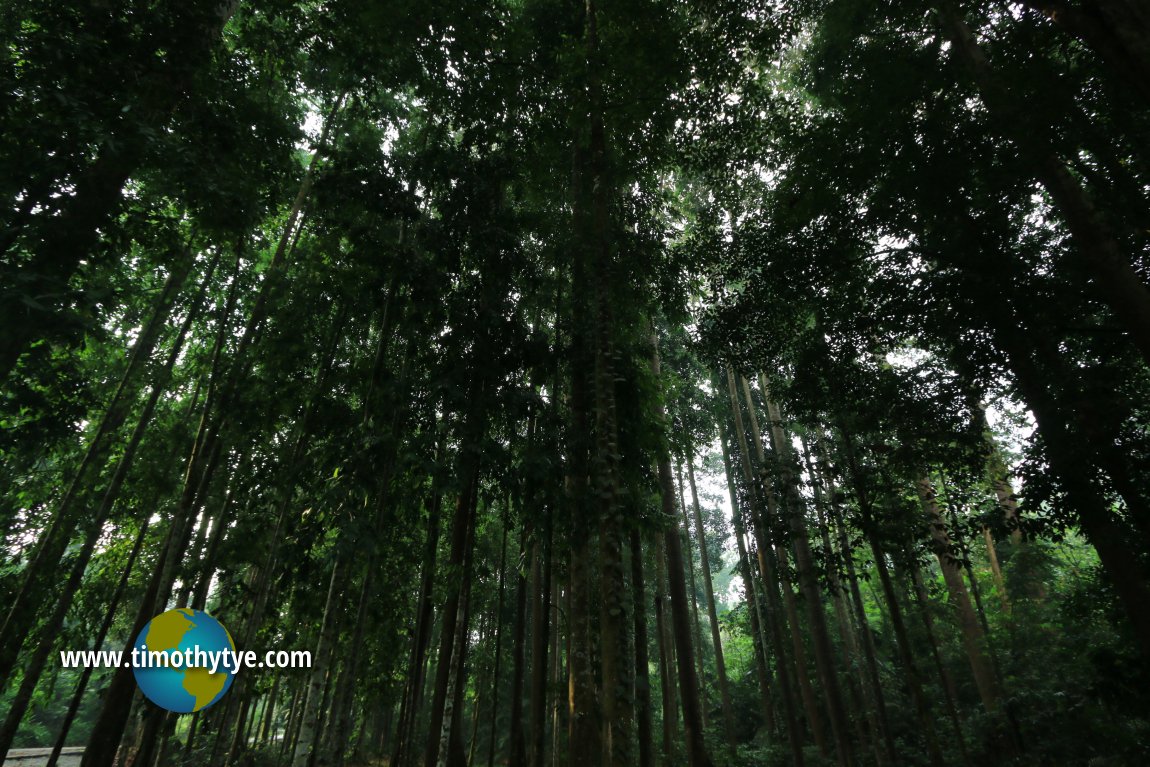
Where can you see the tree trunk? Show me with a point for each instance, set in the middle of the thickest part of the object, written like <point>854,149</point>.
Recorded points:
<point>666,656</point>
<point>973,638</point>
<point>410,705</point>
<point>693,590</point>
<point>556,669</point>
<point>709,593</point>
<point>774,610</point>
<point>697,755</point>
<point>517,747</point>
<point>41,572</point>
<point>758,635</point>
<point>540,627</point>
<point>109,730</point>
<point>824,653</point>
<point>584,736</point>
<point>616,663</point>
<point>880,722</point>
<point>1108,534</point>
<point>642,680</point>
<point>98,642</point>
<point>950,695</point>
<point>307,745</point>
<point>460,535</point>
<point>902,639</point>
<point>498,649</point>
<point>451,751</point>
<point>774,561</point>
<point>34,665</point>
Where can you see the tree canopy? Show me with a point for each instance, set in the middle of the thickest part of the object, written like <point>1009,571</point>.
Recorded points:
<point>678,382</point>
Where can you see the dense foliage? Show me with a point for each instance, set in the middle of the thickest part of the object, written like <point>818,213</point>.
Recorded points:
<point>707,382</point>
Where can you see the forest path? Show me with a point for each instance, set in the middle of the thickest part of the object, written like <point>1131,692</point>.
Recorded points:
<point>35,757</point>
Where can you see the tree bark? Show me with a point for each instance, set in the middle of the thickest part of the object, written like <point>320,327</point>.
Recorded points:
<point>307,745</point>
<point>540,628</point>
<point>973,638</point>
<point>774,560</point>
<point>712,614</point>
<point>41,571</point>
<point>774,610</point>
<point>666,656</point>
<point>460,534</point>
<point>697,755</point>
<point>498,650</point>
<point>642,680</point>
<point>950,695</point>
<point>824,653</point>
<point>693,590</point>
<point>422,639</point>
<point>902,639</point>
<point>886,750</point>
<point>517,747</point>
<point>755,607</point>
<point>97,643</point>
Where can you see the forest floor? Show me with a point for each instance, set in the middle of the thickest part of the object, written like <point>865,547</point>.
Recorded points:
<point>35,757</point>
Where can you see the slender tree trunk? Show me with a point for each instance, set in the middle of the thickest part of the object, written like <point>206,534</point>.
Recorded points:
<point>697,755</point>
<point>460,534</point>
<point>616,663</point>
<point>498,650</point>
<point>754,605</point>
<point>101,636</point>
<point>556,669</point>
<point>712,615</point>
<point>265,582</point>
<point>39,576</point>
<point>34,665</point>
<point>474,726</point>
<point>971,579</point>
<point>950,695</point>
<point>108,733</point>
<point>270,710</point>
<point>102,747</point>
<point>666,656</point>
<point>307,744</point>
<point>540,614</point>
<point>410,706</point>
<point>1109,535</point>
<point>584,736</point>
<point>642,680</point>
<point>451,750</point>
<point>774,610</point>
<point>881,726</point>
<point>696,624</point>
<point>342,713</point>
<point>517,747</point>
<point>824,653</point>
<point>105,741</point>
<point>973,639</point>
<point>291,727</point>
<point>902,639</point>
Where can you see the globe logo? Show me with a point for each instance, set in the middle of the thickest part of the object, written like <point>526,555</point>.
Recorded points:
<point>192,643</point>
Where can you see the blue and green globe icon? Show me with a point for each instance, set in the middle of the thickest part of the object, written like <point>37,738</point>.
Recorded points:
<point>183,687</point>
